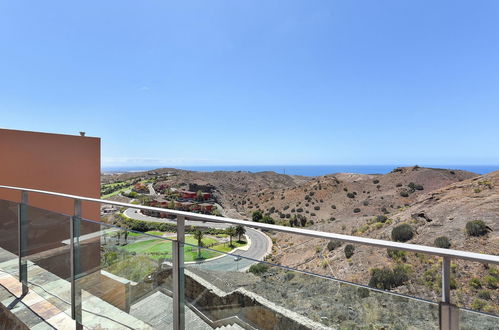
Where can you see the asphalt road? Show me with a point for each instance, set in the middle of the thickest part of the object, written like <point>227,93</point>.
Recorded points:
<point>260,244</point>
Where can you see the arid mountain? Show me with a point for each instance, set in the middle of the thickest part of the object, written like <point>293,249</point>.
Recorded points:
<point>432,202</point>
<point>442,212</point>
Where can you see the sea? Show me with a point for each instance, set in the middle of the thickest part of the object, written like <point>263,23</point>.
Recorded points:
<point>305,170</point>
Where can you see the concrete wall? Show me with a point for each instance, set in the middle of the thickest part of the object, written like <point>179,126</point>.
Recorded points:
<point>61,163</point>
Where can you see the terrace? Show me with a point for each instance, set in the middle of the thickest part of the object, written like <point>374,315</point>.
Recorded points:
<point>81,278</point>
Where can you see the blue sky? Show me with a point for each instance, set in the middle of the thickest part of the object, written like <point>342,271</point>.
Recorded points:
<point>257,82</point>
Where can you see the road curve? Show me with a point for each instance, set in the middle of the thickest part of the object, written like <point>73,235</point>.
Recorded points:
<point>260,244</point>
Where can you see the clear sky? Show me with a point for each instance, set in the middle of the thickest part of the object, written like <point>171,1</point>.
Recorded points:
<point>257,82</point>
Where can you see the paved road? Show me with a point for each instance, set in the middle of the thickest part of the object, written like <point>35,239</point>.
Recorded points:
<point>260,244</point>
<point>152,192</point>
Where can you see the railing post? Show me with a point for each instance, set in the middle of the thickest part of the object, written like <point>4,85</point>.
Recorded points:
<point>74,225</point>
<point>178,276</point>
<point>449,314</point>
<point>22,241</point>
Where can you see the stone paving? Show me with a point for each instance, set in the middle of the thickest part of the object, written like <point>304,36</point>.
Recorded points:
<point>48,301</point>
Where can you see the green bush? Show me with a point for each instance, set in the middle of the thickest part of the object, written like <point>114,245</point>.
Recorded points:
<point>333,207</point>
<point>317,208</point>
<point>484,294</point>
<point>442,242</point>
<point>375,181</point>
<point>397,255</point>
<point>333,244</point>
<point>351,195</point>
<point>476,228</point>
<point>386,278</point>
<point>258,268</point>
<point>478,304</point>
<point>404,193</point>
<point>356,210</point>
<point>257,216</point>
<point>363,292</point>
<point>349,249</point>
<point>402,233</point>
<point>381,218</point>
<point>475,283</point>
<point>491,282</point>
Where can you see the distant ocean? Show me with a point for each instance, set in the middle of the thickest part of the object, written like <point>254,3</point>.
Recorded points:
<point>306,170</point>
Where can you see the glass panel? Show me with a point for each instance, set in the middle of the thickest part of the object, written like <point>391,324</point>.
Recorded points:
<point>471,320</point>
<point>268,296</point>
<point>9,261</point>
<point>130,283</point>
<point>48,258</point>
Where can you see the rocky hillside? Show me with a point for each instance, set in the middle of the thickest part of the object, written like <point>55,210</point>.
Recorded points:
<point>443,212</point>
<point>432,203</point>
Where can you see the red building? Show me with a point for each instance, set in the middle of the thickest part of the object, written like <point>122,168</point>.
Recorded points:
<point>186,194</point>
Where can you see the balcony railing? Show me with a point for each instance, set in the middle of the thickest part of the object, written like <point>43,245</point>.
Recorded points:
<point>82,267</point>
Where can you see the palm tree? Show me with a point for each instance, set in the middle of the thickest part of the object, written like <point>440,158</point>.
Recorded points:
<point>198,234</point>
<point>240,231</point>
<point>231,231</point>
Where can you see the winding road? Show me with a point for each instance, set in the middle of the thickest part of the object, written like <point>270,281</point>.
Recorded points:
<point>260,244</point>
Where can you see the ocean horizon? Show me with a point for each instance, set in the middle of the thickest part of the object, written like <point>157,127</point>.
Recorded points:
<point>305,170</point>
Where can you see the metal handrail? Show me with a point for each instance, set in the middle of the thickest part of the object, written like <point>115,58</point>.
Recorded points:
<point>478,257</point>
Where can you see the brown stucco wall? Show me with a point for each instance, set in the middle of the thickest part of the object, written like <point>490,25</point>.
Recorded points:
<point>61,163</point>
<point>53,162</point>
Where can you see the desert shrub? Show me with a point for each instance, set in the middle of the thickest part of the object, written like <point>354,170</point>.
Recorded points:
<point>312,214</point>
<point>386,278</point>
<point>442,242</point>
<point>483,294</point>
<point>268,219</point>
<point>345,189</point>
<point>288,215</point>
<point>363,292</point>
<point>478,304</point>
<point>299,210</point>
<point>491,282</point>
<point>349,249</point>
<point>414,186</point>
<point>476,228</point>
<point>285,207</point>
<point>333,244</point>
<point>381,218</point>
<point>365,203</point>
<point>257,215</point>
<point>288,276</point>
<point>475,283</point>
<point>356,210</point>
<point>258,268</point>
<point>402,233</point>
<point>333,207</point>
<point>399,185</point>
<point>317,208</point>
<point>384,210</point>
<point>397,255</point>
<point>375,181</point>
<point>351,195</point>
<point>404,193</point>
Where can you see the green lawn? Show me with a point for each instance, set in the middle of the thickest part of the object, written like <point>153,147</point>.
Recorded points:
<point>159,248</point>
<point>114,193</point>
<point>224,247</point>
